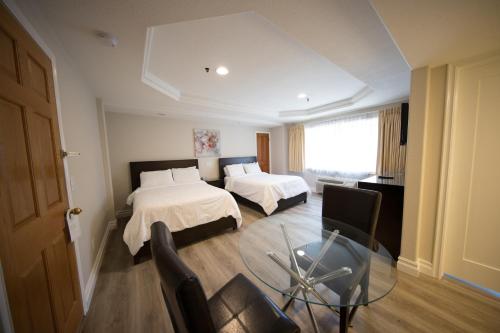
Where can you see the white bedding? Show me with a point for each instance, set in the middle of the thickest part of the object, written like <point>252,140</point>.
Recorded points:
<point>266,189</point>
<point>179,206</point>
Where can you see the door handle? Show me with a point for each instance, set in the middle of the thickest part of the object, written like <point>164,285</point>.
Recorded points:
<point>72,226</point>
<point>75,211</point>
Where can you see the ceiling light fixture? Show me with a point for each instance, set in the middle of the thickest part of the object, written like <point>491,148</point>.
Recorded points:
<point>222,71</point>
<point>106,36</point>
<point>301,96</point>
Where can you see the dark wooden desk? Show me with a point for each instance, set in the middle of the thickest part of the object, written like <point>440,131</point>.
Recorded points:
<point>391,211</point>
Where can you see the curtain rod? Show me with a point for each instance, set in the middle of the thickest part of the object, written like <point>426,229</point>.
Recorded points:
<point>354,113</point>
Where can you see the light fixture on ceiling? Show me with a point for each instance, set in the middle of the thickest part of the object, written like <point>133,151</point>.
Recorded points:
<point>222,71</point>
<point>303,96</point>
<point>111,39</point>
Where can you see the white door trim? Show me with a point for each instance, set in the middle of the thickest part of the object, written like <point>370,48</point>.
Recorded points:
<point>446,157</point>
<point>39,40</point>
<point>440,231</point>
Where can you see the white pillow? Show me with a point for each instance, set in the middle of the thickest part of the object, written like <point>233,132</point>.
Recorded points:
<point>252,167</point>
<point>235,170</point>
<point>186,175</point>
<point>156,178</point>
<point>226,172</point>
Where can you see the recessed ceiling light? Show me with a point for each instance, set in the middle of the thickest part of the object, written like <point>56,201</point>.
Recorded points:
<point>221,70</point>
<point>301,96</point>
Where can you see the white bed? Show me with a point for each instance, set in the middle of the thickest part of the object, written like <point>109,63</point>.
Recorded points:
<point>266,189</point>
<point>179,206</point>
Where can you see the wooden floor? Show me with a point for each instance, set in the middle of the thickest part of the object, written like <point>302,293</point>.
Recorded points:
<point>127,298</point>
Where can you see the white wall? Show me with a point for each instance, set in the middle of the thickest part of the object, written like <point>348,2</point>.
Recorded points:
<point>145,138</point>
<point>81,133</point>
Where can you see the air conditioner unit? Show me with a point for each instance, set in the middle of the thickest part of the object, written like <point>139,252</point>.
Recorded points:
<point>322,181</point>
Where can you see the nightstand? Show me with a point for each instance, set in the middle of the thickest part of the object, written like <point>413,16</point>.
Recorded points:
<point>216,182</point>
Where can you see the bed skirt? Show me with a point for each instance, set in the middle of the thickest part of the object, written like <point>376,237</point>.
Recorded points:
<point>191,235</point>
<point>282,204</point>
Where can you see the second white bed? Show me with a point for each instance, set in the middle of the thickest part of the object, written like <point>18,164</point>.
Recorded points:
<point>266,189</point>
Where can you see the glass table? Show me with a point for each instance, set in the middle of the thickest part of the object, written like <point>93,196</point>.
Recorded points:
<point>318,261</point>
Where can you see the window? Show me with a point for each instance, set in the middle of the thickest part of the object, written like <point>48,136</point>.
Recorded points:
<point>346,147</point>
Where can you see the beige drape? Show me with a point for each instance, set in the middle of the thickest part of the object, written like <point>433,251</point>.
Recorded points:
<point>391,155</point>
<point>296,151</point>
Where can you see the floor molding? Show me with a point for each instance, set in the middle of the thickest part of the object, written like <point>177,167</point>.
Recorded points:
<point>415,267</point>
<point>425,267</point>
<point>90,286</point>
<point>408,266</point>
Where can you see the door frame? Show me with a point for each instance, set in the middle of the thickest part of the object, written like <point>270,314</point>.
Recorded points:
<point>270,153</point>
<point>16,11</point>
<point>438,258</point>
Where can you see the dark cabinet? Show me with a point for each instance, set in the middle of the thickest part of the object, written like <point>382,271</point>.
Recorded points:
<point>390,219</point>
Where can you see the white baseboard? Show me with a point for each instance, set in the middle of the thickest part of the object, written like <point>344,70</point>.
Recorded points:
<point>408,266</point>
<point>425,267</point>
<point>90,286</point>
<point>415,267</point>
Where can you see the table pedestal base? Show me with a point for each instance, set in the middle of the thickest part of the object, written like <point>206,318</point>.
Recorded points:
<point>306,283</point>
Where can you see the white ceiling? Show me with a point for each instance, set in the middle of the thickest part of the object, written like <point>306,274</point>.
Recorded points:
<point>431,32</point>
<point>338,52</point>
<point>267,67</point>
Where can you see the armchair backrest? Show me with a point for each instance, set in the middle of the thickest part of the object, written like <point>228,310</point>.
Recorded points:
<point>184,296</point>
<point>356,207</point>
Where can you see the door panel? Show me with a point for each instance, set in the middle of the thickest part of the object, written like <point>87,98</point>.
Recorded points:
<point>472,211</point>
<point>62,276</point>
<point>481,228</point>
<point>263,151</point>
<point>38,258</point>
<point>15,162</point>
<point>37,298</point>
<point>38,77</point>
<point>8,56</point>
<point>42,139</point>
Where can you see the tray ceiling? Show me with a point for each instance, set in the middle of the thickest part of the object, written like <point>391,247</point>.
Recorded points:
<point>337,52</point>
<point>267,68</point>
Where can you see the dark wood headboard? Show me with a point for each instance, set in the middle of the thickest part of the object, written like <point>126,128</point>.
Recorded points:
<point>233,160</point>
<point>137,167</point>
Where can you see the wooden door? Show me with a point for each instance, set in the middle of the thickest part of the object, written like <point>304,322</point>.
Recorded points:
<point>472,247</point>
<point>38,259</point>
<point>263,151</point>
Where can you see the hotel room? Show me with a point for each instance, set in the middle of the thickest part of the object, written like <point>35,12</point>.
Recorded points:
<point>235,166</point>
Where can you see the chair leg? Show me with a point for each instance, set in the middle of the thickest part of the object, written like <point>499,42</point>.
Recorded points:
<point>344,319</point>
<point>364,288</point>
<point>351,315</point>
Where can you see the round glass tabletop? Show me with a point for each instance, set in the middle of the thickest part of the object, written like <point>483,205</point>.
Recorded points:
<point>317,260</point>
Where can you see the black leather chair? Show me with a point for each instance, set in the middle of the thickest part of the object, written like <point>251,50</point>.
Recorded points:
<point>357,208</point>
<point>348,210</point>
<point>239,306</point>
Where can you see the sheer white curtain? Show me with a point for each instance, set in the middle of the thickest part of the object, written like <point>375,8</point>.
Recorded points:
<point>346,146</point>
